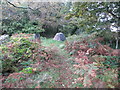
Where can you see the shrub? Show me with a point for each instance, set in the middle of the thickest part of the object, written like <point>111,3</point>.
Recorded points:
<point>68,29</point>
<point>42,68</point>
<point>21,26</point>
<point>22,51</point>
<point>27,70</point>
<point>90,45</point>
<point>32,27</point>
<point>15,52</point>
<point>93,72</point>
<point>93,62</point>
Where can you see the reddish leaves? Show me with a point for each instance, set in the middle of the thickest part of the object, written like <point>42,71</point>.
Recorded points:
<point>115,52</point>
<point>98,49</point>
<point>89,61</point>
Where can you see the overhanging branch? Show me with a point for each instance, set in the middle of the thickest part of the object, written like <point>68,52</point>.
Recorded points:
<point>19,7</point>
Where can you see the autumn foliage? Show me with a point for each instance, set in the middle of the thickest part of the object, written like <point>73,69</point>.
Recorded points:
<point>97,48</point>
<point>88,64</point>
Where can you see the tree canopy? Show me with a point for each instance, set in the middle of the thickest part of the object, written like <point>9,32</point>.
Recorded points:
<point>66,17</point>
<point>95,15</point>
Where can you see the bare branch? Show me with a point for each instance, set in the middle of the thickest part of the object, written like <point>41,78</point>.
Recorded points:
<point>19,7</point>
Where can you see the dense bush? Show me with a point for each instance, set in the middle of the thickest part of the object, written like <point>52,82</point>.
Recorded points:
<point>16,53</point>
<point>95,64</point>
<point>97,73</point>
<point>29,64</point>
<point>32,27</point>
<point>21,26</point>
<point>68,29</point>
<point>22,51</point>
<point>109,38</point>
<point>35,66</point>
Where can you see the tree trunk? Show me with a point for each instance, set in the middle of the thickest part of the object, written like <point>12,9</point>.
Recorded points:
<point>117,43</point>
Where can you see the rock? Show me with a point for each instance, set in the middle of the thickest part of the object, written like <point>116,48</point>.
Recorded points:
<point>59,37</point>
<point>4,38</point>
<point>37,36</point>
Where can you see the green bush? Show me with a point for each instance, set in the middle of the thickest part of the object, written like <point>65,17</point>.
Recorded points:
<point>15,53</point>
<point>32,27</point>
<point>21,53</point>
<point>27,70</point>
<point>21,26</point>
<point>109,38</point>
<point>68,29</point>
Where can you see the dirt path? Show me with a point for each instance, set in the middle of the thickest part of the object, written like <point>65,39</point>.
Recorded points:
<point>65,72</point>
<point>64,68</point>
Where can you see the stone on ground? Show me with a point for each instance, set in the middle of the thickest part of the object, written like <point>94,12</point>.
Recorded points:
<point>4,38</point>
<point>59,37</point>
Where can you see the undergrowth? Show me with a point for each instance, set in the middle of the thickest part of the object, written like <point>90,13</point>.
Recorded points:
<point>76,63</point>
